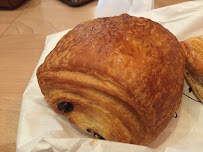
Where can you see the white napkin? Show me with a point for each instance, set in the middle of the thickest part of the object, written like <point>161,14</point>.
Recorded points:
<point>107,8</point>
<point>42,130</point>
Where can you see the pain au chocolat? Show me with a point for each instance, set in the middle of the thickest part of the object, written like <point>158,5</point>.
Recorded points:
<point>116,78</point>
<point>193,49</point>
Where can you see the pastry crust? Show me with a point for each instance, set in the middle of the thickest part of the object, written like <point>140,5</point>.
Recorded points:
<point>193,49</point>
<point>123,75</point>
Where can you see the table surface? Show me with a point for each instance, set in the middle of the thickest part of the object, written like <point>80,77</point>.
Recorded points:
<point>22,37</point>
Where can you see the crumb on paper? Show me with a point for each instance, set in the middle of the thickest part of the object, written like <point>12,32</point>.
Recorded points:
<point>50,113</point>
<point>94,141</point>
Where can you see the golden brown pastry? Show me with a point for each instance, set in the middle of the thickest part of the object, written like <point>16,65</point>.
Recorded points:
<point>116,78</point>
<point>193,49</point>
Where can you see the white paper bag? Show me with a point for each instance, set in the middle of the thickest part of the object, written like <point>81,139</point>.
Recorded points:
<point>107,8</point>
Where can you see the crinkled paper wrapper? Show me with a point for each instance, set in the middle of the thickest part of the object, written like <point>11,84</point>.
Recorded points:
<point>42,130</point>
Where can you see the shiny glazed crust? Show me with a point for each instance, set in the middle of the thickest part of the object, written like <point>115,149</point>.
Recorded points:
<point>193,49</point>
<point>124,76</point>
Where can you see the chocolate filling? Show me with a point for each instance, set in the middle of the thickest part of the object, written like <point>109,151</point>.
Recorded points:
<point>66,106</point>
<point>190,90</point>
<point>97,135</point>
<point>176,115</point>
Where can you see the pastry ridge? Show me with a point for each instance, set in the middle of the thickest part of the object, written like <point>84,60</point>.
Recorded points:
<point>124,76</point>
